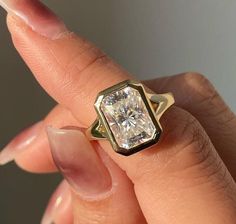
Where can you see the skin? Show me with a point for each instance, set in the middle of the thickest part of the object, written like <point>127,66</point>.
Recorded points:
<point>187,178</point>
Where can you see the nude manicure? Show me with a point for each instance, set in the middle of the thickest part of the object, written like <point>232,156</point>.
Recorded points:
<point>79,163</point>
<point>20,143</point>
<point>37,16</point>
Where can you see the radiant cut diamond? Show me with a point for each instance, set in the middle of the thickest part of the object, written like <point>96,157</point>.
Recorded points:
<point>128,117</point>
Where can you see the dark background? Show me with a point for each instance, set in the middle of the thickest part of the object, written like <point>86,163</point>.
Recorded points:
<point>147,37</point>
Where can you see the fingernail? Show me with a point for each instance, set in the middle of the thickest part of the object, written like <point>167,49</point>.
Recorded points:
<point>59,205</point>
<point>37,16</point>
<point>20,143</point>
<point>79,162</point>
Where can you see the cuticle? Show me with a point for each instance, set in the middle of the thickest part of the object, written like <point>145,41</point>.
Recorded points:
<point>101,196</point>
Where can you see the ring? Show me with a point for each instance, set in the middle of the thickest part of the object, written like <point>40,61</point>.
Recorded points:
<point>128,115</point>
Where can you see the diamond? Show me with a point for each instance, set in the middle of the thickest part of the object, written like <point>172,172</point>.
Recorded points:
<point>128,117</point>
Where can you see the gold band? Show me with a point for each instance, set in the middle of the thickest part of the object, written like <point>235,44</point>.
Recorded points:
<point>129,116</point>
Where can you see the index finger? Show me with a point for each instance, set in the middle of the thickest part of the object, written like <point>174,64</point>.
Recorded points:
<point>62,58</point>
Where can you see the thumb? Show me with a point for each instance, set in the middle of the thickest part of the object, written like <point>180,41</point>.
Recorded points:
<point>99,192</point>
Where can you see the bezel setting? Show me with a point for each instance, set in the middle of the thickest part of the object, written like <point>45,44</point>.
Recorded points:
<point>107,131</point>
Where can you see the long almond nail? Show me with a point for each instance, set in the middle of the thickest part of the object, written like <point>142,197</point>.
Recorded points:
<point>20,143</point>
<point>79,163</point>
<point>37,16</point>
<point>59,206</point>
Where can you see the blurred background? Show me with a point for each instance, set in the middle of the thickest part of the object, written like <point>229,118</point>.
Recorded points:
<point>149,38</point>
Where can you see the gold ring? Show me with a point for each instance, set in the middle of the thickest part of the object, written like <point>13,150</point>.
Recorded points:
<point>128,115</point>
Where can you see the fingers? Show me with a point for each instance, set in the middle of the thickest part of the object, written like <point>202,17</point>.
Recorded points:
<point>101,193</point>
<point>36,16</point>
<point>85,67</point>
<point>60,206</point>
<point>199,97</point>
<point>196,95</point>
<point>59,209</point>
<point>79,60</point>
<point>183,173</point>
<point>32,145</point>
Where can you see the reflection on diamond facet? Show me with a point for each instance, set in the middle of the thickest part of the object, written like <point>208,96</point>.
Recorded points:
<point>128,117</point>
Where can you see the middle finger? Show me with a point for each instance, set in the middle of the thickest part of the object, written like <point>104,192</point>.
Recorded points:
<point>196,94</point>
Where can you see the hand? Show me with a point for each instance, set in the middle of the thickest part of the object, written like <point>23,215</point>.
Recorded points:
<point>187,178</point>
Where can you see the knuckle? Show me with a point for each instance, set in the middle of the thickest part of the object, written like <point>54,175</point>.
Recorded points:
<point>201,82</point>
<point>206,96</point>
<point>200,161</point>
<point>84,60</point>
<point>196,145</point>
<point>80,70</point>
<point>201,85</point>
<point>195,76</point>
<point>187,141</point>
